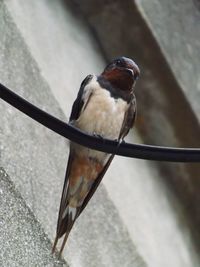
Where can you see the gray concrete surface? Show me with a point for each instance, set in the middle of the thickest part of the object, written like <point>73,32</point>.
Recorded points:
<point>179,41</point>
<point>23,241</point>
<point>134,219</point>
<point>65,56</point>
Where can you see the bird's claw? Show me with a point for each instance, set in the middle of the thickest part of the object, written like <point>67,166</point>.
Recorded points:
<point>98,135</point>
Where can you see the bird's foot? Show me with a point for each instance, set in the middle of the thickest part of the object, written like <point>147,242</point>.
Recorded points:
<point>98,135</point>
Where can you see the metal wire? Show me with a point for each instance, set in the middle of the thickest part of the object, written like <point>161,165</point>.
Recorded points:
<point>140,151</point>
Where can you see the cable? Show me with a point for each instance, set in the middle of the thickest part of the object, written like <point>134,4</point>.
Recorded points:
<point>147,152</point>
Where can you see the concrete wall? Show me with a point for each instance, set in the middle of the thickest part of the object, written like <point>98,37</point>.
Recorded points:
<point>23,241</point>
<point>134,219</point>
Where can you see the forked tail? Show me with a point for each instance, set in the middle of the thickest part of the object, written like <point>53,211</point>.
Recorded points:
<point>64,227</point>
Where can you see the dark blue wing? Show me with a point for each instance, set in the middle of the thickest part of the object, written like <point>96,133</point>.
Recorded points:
<point>78,103</point>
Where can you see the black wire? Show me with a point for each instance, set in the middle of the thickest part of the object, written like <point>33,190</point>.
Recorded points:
<point>113,147</point>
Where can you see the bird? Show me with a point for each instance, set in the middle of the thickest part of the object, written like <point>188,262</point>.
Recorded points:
<point>105,107</point>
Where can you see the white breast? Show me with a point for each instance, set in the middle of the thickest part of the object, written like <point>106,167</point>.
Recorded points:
<point>102,114</point>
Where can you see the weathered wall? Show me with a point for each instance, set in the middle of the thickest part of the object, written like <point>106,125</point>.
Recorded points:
<point>23,241</point>
<point>46,49</point>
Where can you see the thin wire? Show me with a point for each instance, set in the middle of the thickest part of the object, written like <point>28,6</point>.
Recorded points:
<point>140,151</point>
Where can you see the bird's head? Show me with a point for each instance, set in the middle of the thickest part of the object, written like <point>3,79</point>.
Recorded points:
<point>122,73</point>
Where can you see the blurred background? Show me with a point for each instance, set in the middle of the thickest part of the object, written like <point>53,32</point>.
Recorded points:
<point>144,213</point>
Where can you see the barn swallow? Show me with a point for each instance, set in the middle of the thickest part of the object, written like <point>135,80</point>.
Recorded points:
<point>106,107</point>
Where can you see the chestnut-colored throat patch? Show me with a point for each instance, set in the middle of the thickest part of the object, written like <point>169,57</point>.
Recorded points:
<point>120,78</point>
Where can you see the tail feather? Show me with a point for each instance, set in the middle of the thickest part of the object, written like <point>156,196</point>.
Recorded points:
<point>64,227</point>
<point>68,219</point>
